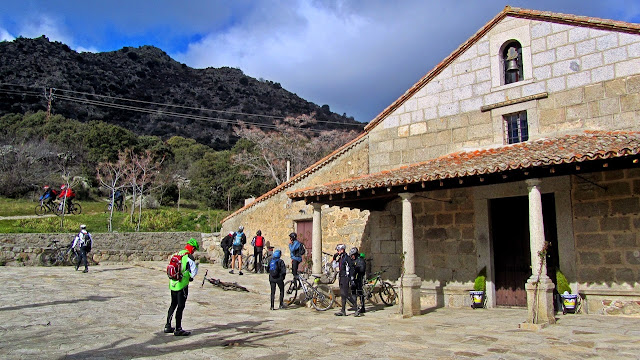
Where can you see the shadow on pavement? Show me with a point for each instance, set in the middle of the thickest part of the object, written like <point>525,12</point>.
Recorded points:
<point>246,334</point>
<point>57,302</point>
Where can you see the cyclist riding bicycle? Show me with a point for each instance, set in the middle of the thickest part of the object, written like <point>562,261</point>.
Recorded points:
<point>67,194</point>
<point>118,198</point>
<point>49,195</point>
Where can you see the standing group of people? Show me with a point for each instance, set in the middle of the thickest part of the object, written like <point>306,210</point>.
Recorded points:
<point>233,245</point>
<point>351,272</point>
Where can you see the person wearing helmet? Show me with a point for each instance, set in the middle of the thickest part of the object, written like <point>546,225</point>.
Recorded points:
<point>180,288</point>
<point>359,268</point>
<point>48,196</point>
<point>82,244</point>
<point>225,244</point>
<point>295,253</point>
<point>277,272</point>
<point>346,275</point>
<point>258,245</point>
<point>66,196</point>
<point>239,239</point>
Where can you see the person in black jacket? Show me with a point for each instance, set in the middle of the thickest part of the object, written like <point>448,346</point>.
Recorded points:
<point>359,267</point>
<point>225,244</point>
<point>346,275</point>
<point>277,272</point>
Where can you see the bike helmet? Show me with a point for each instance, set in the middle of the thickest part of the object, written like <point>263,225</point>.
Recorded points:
<point>230,233</point>
<point>46,187</point>
<point>193,243</point>
<point>277,254</point>
<point>240,228</point>
<point>83,226</point>
<point>259,233</point>
<point>353,251</point>
<point>62,187</point>
<point>293,236</point>
<point>341,247</point>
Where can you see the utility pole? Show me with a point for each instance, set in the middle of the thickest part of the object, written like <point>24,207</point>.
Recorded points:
<point>49,100</point>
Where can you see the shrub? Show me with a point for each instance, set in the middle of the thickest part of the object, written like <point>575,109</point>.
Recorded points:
<point>563,284</point>
<point>480,282</point>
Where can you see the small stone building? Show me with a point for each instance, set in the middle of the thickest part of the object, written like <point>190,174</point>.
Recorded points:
<point>518,154</point>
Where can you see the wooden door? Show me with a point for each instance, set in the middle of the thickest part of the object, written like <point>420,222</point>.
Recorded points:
<point>512,259</point>
<point>304,229</point>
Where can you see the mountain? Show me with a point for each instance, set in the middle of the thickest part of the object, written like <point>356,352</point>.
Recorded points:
<point>99,86</point>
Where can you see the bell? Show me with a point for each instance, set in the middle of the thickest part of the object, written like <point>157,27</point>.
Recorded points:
<point>512,65</point>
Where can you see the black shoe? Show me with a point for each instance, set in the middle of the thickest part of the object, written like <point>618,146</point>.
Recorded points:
<point>282,306</point>
<point>341,313</point>
<point>85,271</point>
<point>168,329</point>
<point>240,273</point>
<point>271,308</point>
<point>231,272</point>
<point>180,332</point>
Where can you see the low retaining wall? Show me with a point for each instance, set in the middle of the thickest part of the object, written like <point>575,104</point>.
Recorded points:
<point>25,249</point>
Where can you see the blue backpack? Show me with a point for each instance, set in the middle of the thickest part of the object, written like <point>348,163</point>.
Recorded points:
<point>237,241</point>
<point>273,267</point>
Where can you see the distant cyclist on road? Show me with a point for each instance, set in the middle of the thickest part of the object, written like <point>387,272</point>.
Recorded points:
<point>67,195</point>
<point>48,196</point>
<point>118,198</point>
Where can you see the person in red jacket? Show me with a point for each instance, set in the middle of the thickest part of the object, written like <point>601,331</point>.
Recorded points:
<point>68,194</point>
<point>258,245</point>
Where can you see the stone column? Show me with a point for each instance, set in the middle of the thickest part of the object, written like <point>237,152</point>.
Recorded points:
<point>539,286</point>
<point>316,240</point>
<point>410,281</point>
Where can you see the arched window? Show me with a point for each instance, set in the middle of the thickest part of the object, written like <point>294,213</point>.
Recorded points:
<point>512,62</point>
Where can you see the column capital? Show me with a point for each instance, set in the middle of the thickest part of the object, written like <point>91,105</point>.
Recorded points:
<point>406,196</point>
<point>316,206</point>
<point>533,182</point>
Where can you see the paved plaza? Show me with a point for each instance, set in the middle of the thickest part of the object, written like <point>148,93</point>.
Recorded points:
<point>118,312</point>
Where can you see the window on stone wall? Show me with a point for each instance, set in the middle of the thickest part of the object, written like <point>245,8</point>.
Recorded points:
<point>512,62</point>
<point>516,127</point>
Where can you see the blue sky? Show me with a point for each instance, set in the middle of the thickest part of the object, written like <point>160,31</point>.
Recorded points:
<point>357,56</point>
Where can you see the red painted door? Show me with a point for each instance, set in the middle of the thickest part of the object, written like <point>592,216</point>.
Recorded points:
<point>305,230</point>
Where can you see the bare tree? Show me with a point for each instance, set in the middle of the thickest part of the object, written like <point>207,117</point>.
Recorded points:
<point>112,176</point>
<point>142,170</point>
<point>291,141</point>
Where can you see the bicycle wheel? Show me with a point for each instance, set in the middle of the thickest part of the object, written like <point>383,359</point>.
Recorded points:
<point>387,293</point>
<point>265,263</point>
<point>247,263</point>
<point>41,210</point>
<point>47,258</point>
<point>290,292</point>
<point>322,298</point>
<point>76,209</point>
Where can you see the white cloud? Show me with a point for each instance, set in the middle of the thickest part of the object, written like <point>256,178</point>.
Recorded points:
<point>5,36</point>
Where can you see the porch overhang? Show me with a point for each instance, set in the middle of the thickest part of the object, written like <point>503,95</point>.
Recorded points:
<point>576,154</point>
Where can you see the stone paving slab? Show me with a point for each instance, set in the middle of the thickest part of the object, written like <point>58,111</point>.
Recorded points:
<point>118,311</point>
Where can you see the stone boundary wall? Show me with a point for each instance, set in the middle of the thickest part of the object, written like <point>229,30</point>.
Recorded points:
<point>25,249</point>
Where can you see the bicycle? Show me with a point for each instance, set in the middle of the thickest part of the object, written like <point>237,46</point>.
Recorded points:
<point>321,296</point>
<point>71,208</point>
<point>386,292</point>
<point>328,271</point>
<point>122,207</point>
<point>221,284</point>
<point>46,207</point>
<point>266,258</point>
<point>248,262</point>
<point>55,255</point>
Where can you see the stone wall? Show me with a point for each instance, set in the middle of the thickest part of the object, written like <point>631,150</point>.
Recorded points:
<point>607,236</point>
<point>276,216</point>
<point>591,77</point>
<point>24,249</point>
<point>445,249</point>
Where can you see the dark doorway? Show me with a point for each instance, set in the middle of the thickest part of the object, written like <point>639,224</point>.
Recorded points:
<point>512,255</point>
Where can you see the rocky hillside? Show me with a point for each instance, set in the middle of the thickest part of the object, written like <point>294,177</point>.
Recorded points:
<point>88,85</point>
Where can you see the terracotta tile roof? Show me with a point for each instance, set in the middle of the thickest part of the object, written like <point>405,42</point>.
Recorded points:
<point>567,19</point>
<point>587,146</point>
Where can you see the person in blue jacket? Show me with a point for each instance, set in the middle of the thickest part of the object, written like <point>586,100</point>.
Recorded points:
<point>295,248</point>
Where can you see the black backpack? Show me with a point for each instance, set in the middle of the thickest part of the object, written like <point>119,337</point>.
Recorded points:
<point>302,250</point>
<point>86,243</point>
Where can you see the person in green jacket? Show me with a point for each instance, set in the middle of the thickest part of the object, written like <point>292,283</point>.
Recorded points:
<point>180,288</point>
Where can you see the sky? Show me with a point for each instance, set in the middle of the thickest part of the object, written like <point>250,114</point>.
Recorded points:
<point>357,56</point>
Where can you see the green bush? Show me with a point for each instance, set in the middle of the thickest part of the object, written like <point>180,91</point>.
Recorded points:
<point>480,284</point>
<point>563,284</point>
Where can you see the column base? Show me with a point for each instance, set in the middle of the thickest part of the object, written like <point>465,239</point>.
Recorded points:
<point>410,296</point>
<point>539,303</point>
